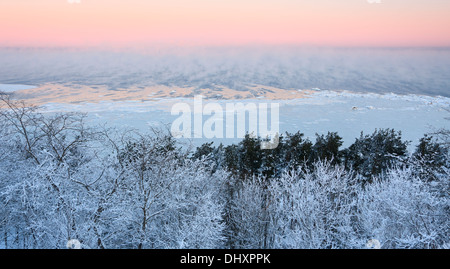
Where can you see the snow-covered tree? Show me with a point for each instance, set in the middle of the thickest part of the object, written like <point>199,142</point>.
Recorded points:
<point>314,209</point>
<point>166,198</point>
<point>106,188</point>
<point>373,154</point>
<point>248,214</point>
<point>402,211</point>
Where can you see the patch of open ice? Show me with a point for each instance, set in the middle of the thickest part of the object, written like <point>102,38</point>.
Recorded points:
<point>14,87</point>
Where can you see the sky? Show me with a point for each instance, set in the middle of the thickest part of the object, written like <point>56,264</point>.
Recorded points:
<point>120,23</point>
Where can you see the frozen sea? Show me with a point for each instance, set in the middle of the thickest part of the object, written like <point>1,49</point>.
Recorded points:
<point>423,71</point>
<point>354,90</point>
<point>347,113</point>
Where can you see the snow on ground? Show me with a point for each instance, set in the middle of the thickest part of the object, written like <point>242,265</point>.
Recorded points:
<point>344,112</point>
<point>350,113</point>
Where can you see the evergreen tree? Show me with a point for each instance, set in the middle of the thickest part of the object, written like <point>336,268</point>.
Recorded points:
<point>430,158</point>
<point>371,155</point>
<point>211,155</point>
<point>297,150</point>
<point>204,150</point>
<point>232,159</point>
<point>327,147</point>
<point>251,153</point>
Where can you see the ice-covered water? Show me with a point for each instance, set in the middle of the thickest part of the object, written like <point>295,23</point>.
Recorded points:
<point>422,71</point>
<point>8,88</point>
<point>361,89</point>
<point>344,112</point>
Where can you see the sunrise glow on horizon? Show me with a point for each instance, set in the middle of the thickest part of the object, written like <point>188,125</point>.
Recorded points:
<point>412,23</point>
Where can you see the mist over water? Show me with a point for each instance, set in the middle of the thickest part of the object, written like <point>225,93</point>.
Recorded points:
<point>402,71</point>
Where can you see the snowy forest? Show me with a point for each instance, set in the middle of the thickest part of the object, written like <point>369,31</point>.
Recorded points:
<point>63,179</point>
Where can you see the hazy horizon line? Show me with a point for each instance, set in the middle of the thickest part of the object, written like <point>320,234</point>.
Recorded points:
<point>246,46</point>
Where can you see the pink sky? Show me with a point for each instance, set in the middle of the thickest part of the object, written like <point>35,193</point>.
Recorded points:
<point>224,22</point>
